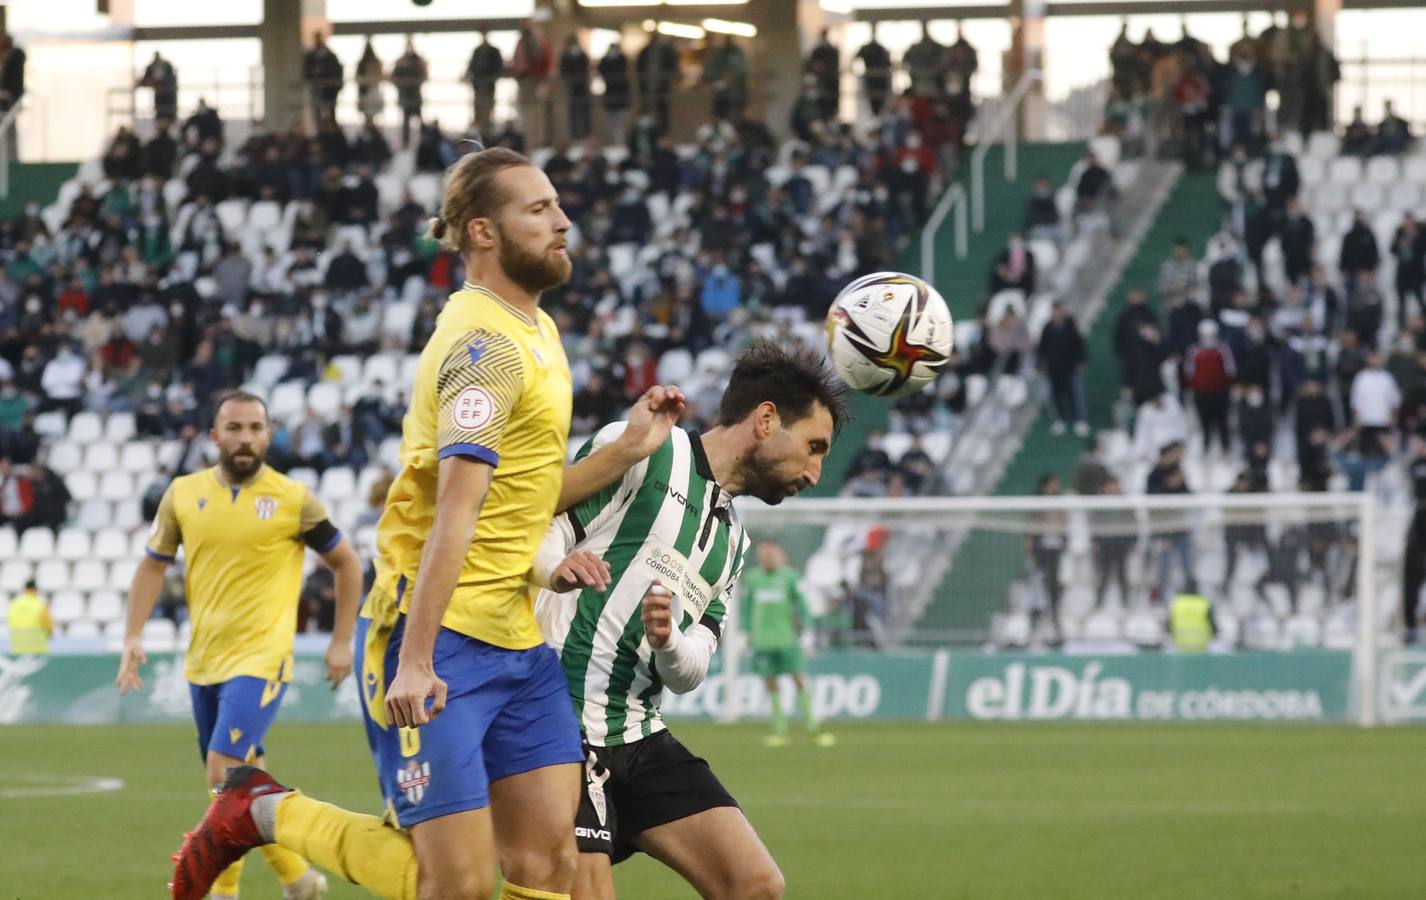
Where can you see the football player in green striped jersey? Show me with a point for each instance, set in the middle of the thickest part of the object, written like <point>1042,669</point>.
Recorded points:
<point>637,582</point>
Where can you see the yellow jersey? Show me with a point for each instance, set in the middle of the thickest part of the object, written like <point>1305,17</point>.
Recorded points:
<point>243,571</point>
<point>492,385</point>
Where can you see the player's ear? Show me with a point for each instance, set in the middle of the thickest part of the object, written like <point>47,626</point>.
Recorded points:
<point>480,233</point>
<point>765,419</point>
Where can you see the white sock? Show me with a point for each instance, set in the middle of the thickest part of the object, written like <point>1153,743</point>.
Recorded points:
<point>264,813</point>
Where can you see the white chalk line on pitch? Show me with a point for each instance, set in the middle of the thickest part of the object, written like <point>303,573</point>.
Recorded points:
<point>41,785</point>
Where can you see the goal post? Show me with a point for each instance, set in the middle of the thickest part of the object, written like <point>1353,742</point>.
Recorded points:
<point>1091,574</point>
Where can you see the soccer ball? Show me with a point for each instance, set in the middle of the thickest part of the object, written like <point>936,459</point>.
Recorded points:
<point>889,334</point>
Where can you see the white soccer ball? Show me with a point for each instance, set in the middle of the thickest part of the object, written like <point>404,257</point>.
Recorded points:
<point>889,334</point>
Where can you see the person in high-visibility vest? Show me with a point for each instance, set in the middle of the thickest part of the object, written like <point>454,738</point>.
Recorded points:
<point>1191,620</point>
<point>30,624</point>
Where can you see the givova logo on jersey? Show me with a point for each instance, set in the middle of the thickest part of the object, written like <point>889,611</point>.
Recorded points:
<point>413,779</point>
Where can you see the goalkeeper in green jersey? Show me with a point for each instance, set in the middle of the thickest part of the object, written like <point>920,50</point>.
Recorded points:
<point>773,613</point>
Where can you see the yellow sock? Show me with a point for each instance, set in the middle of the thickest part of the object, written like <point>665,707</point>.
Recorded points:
<point>515,892</point>
<point>227,883</point>
<point>288,865</point>
<point>360,848</point>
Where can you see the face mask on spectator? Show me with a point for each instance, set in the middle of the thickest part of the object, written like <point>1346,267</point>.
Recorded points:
<point>176,310</point>
<point>32,305</point>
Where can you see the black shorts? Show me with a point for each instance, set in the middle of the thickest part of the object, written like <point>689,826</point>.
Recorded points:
<point>634,787</point>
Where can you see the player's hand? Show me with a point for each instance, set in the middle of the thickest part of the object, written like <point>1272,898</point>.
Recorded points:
<point>653,416</point>
<point>406,698</point>
<point>658,615</point>
<point>339,662</point>
<point>130,660</point>
<point>580,569</point>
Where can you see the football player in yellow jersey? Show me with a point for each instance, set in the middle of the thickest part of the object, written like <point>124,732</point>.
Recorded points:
<point>468,711</point>
<point>243,527</point>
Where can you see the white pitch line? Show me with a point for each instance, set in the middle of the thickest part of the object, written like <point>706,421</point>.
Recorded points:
<point>62,786</point>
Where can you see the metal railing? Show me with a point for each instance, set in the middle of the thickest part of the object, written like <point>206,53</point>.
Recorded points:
<point>1000,128</point>
<point>953,198</point>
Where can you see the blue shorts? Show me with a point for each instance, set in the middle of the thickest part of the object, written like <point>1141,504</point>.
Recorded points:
<point>233,716</point>
<point>507,712</point>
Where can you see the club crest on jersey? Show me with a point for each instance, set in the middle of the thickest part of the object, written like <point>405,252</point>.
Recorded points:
<point>413,779</point>
<point>596,776</point>
<point>265,507</point>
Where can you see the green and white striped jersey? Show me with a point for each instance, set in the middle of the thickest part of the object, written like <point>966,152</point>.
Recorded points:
<point>666,519</point>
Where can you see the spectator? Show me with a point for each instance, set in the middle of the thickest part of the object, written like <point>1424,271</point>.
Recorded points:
<point>17,496</point>
<point>1062,357</point>
<point>322,72</point>
<point>1135,314</point>
<point>1094,186</point>
<point>1168,528</point>
<point>575,75</point>
<point>727,73</point>
<point>370,73</point>
<point>485,69</point>
<point>1090,471</point>
<point>1178,275</point>
<point>1045,546</point>
<point>1253,357</point>
<point>926,62</point>
<point>614,71</point>
<point>1359,250</point>
<point>876,73</point>
<point>1281,180</point>
<point>1375,400</point>
<point>1014,268</point>
<point>1113,536</point>
<point>161,77</point>
<point>1298,237</point>
<point>1414,557</point>
<point>345,439</point>
<point>1393,135</point>
<point>1357,138</point>
<point>29,623</point>
<point>1042,214</point>
<point>657,70</point>
<point>1245,98</point>
<point>824,66</point>
<point>1209,373</point>
<point>13,405</point>
<point>63,381</point>
<point>1408,249</point>
<point>12,84</point>
<point>409,75</point>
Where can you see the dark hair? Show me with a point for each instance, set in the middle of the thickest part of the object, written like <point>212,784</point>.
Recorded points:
<point>238,397</point>
<point>471,193</point>
<point>791,380</point>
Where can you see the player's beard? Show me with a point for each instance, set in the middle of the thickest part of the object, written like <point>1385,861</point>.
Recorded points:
<point>758,474</point>
<point>535,272</point>
<point>238,469</point>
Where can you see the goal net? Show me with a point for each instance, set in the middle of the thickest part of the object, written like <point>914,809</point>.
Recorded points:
<point>1093,574</point>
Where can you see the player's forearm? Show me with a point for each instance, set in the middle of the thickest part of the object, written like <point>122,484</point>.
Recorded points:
<point>554,547</point>
<point>143,595</point>
<point>346,575</point>
<point>596,472</point>
<point>460,495</point>
<point>683,662</point>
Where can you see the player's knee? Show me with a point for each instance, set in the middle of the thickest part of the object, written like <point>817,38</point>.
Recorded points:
<point>549,867</point>
<point>455,884</point>
<point>758,883</point>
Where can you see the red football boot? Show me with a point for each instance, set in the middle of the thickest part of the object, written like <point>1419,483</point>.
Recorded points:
<point>226,833</point>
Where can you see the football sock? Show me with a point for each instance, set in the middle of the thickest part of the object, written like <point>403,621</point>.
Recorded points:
<point>288,865</point>
<point>779,721</point>
<point>360,848</point>
<point>515,892</point>
<point>804,707</point>
<point>227,883</point>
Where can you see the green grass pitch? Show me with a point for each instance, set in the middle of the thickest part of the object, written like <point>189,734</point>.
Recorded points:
<point>948,811</point>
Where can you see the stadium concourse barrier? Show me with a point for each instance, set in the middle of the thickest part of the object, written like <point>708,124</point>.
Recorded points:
<point>931,685</point>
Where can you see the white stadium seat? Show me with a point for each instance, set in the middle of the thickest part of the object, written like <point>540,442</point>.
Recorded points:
<point>264,216</point>
<point>93,513</point>
<point>305,476</point>
<point>52,575</point>
<point>128,514</point>
<point>1383,170</point>
<point>138,544</point>
<point>288,399</point>
<point>160,635</point>
<point>36,544</point>
<point>1413,169</point>
<point>325,398</point>
<point>120,427</point>
<point>269,369</point>
<point>116,485</point>
<point>101,456</point>
<point>1345,170</point>
<point>90,575</point>
<point>1368,195</point>
<point>51,424</point>
<point>121,573</point>
<point>14,573</point>
<point>106,606</point>
<point>110,544</point>
<point>139,457</point>
<point>350,367</point>
<point>396,319</point>
<point>232,214</point>
<point>65,456</point>
<point>73,544</point>
<point>1311,170</point>
<point>82,628</point>
<point>66,606</point>
<point>675,366</point>
<point>409,364</point>
<point>85,427</point>
<point>9,542</point>
<point>337,483</point>
<point>1323,145</point>
<point>383,367</point>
